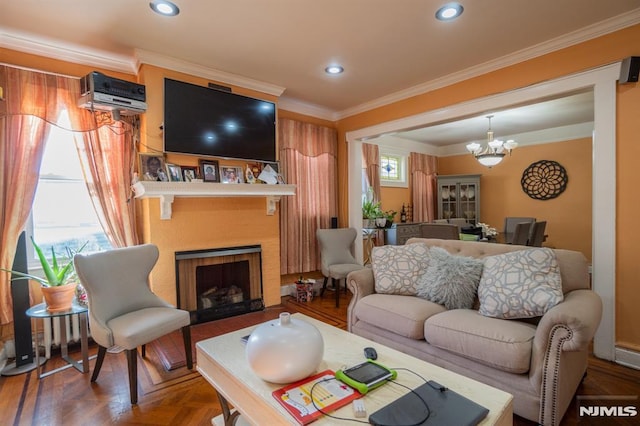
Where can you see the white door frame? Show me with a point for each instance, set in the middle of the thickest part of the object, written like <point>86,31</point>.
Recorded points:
<point>603,83</point>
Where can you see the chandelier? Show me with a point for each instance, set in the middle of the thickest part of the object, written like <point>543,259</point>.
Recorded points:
<point>494,152</point>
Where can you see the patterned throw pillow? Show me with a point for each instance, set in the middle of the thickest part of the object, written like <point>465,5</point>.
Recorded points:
<point>520,284</point>
<point>397,268</point>
<point>450,280</point>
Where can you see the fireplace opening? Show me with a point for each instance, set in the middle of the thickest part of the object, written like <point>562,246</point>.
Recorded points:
<point>218,283</point>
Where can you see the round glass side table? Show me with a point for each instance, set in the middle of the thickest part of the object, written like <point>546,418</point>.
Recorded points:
<point>40,312</point>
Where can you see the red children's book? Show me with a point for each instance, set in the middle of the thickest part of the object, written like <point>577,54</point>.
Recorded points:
<point>328,394</point>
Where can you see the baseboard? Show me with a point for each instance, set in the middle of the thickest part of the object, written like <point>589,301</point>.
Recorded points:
<point>628,358</point>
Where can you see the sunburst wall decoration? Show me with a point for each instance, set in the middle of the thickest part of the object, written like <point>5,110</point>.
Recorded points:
<point>544,180</point>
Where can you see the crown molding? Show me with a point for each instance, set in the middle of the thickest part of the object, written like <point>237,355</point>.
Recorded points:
<point>37,45</point>
<point>584,34</point>
<point>306,108</point>
<point>152,58</point>
<point>69,52</point>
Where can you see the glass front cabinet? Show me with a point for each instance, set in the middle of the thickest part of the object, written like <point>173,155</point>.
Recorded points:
<point>459,197</point>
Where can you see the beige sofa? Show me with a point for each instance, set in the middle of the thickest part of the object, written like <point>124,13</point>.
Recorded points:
<point>540,361</point>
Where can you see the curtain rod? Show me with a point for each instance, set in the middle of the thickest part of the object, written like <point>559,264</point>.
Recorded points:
<point>40,71</point>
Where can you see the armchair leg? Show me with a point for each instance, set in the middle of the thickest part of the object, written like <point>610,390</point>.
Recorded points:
<point>336,287</point>
<point>186,336</point>
<point>144,351</point>
<point>102,351</point>
<point>132,363</point>
<point>324,286</point>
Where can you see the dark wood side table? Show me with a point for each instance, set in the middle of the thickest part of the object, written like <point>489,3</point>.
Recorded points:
<point>40,312</point>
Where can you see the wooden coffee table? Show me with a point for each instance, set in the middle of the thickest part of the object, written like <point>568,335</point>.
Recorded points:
<point>222,362</point>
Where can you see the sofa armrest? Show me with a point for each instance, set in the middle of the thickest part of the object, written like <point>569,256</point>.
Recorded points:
<point>560,351</point>
<point>361,284</point>
<point>580,312</point>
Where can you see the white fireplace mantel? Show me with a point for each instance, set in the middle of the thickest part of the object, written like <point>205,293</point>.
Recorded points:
<point>167,191</point>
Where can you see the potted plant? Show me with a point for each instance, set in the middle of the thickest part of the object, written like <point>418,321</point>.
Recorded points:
<point>59,282</point>
<point>389,215</point>
<point>370,210</point>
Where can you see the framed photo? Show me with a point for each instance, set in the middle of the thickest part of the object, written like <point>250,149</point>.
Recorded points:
<point>189,173</point>
<point>231,174</point>
<point>174,172</point>
<point>280,179</point>
<point>152,167</point>
<point>210,170</point>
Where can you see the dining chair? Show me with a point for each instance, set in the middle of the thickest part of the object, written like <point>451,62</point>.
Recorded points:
<point>510,223</point>
<point>521,234</point>
<point>123,311</point>
<point>336,258</point>
<point>460,222</point>
<point>537,234</point>
<point>442,231</point>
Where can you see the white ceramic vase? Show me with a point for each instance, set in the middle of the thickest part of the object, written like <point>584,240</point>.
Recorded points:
<point>285,350</point>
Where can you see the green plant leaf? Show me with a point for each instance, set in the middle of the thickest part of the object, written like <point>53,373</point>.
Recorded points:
<point>48,272</point>
<point>24,276</point>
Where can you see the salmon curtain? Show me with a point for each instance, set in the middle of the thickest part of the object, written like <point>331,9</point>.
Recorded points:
<point>108,157</point>
<point>371,164</point>
<point>308,159</point>
<point>33,103</point>
<point>424,173</point>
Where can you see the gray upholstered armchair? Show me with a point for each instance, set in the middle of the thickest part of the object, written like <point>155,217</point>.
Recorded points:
<point>335,253</point>
<point>123,311</point>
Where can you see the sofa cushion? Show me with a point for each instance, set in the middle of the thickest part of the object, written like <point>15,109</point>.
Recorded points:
<point>501,344</point>
<point>397,268</point>
<point>450,280</point>
<point>520,284</point>
<point>403,315</point>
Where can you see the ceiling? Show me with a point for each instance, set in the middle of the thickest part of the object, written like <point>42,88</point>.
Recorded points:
<point>389,49</point>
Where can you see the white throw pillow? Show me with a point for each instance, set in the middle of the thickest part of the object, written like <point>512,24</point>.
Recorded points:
<point>520,284</point>
<point>397,268</point>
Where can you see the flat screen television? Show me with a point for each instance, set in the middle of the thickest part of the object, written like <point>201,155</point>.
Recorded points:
<point>203,121</point>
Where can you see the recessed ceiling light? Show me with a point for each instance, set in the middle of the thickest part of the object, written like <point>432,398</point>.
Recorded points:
<point>449,12</point>
<point>334,69</point>
<point>164,7</point>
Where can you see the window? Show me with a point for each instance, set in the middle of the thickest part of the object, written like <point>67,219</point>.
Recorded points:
<point>393,169</point>
<point>62,214</point>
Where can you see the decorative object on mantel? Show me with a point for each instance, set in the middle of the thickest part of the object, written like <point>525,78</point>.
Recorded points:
<point>231,174</point>
<point>493,153</point>
<point>544,180</point>
<point>59,282</point>
<point>285,350</point>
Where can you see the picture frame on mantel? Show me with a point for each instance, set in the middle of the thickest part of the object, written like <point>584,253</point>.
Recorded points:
<point>231,174</point>
<point>152,167</point>
<point>189,173</point>
<point>210,170</point>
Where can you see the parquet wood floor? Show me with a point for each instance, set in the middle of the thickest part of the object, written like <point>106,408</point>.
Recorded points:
<point>182,397</point>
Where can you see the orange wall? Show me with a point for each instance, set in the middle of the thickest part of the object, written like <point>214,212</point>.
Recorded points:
<point>584,56</point>
<point>568,216</point>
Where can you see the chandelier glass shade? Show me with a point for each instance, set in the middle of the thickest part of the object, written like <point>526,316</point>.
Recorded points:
<point>493,153</point>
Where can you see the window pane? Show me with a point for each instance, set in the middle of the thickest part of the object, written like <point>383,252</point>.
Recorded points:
<point>62,214</point>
